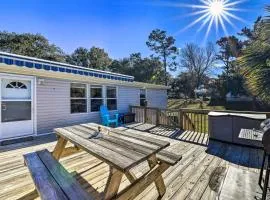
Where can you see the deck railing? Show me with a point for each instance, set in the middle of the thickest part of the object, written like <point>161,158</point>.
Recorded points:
<point>186,119</point>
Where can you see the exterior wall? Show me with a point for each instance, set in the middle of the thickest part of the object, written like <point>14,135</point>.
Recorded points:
<point>127,96</point>
<point>157,98</point>
<point>53,105</point>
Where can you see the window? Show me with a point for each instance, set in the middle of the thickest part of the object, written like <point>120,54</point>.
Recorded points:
<point>96,98</point>
<point>142,97</point>
<point>111,98</point>
<point>17,85</point>
<point>78,98</point>
<point>15,111</point>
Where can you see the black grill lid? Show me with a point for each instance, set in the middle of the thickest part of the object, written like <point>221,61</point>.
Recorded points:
<point>266,138</point>
<point>264,123</point>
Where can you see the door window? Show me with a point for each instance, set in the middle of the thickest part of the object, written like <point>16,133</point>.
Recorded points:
<point>16,100</point>
<point>16,111</point>
<point>14,89</point>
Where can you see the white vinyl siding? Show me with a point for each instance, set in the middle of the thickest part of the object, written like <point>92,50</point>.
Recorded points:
<point>53,107</point>
<point>53,104</point>
<point>156,98</point>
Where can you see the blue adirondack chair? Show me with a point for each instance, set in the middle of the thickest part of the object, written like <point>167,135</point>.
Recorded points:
<point>105,117</point>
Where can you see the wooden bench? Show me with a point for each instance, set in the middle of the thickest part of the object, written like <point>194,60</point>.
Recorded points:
<point>51,180</point>
<point>168,157</point>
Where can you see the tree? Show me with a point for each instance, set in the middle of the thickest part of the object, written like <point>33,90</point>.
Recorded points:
<point>256,61</point>
<point>34,45</point>
<point>79,57</point>
<point>164,47</point>
<point>99,59</point>
<point>95,58</point>
<point>147,69</point>
<point>230,49</point>
<point>181,86</point>
<point>198,62</point>
<point>252,34</point>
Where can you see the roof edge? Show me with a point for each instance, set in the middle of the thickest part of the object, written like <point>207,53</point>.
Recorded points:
<point>60,63</point>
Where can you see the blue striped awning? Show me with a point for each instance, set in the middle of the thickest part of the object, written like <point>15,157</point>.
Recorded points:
<point>40,64</point>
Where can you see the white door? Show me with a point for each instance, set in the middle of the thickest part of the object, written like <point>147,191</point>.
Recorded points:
<point>16,107</point>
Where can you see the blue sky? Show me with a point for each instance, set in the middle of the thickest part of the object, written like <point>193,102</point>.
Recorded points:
<point>120,27</point>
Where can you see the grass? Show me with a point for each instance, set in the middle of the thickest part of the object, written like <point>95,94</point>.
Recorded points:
<point>181,103</point>
<point>200,126</point>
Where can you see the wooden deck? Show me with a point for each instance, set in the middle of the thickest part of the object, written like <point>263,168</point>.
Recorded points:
<point>199,175</point>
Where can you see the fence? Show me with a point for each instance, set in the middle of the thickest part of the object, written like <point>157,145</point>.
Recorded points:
<point>186,119</point>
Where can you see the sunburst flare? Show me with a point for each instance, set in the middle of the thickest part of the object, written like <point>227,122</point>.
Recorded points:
<point>215,13</point>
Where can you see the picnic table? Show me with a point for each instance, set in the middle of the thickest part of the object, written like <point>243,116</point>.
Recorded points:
<point>121,151</point>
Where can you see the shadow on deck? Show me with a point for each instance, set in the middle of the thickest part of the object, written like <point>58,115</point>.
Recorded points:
<point>177,134</point>
<point>199,175</point>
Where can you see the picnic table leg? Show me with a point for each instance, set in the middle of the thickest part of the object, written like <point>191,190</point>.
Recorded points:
<point>59,148</point>
<point>113,183</point>
<point>130,176</point>
<point>159,182</point>
<point>132,191</point>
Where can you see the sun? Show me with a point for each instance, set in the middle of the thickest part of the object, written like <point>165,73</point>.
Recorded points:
<point>216,8</point>
<point>213,13</point>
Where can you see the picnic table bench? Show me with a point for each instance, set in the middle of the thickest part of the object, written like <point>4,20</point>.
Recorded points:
<point>51,179</point>
<point>122,151</point>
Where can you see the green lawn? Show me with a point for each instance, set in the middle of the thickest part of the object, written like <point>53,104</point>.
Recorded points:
<point>200,126</point>
<point>180,103</point>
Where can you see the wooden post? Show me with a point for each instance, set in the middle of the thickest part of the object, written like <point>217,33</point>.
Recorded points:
<point>145,117</point>
<point>157,117</point>
<point>181,119</point>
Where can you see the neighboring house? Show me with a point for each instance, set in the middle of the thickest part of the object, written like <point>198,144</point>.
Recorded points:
<point>233,98</point>
<point>201,91</point>
<point>39,95</point>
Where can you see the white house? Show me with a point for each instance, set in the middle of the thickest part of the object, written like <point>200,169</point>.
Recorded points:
<point>39,95</point>
<point>238,98</point>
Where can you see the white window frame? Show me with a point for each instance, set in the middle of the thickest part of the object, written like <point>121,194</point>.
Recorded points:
<point>102,97</point>
<point>140,95</point>
<point>116,98</point>
<point>74,98</point>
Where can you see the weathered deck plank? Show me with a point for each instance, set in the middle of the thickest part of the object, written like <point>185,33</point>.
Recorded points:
<point>188,179</point>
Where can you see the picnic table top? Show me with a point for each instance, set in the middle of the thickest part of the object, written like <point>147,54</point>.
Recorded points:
<point>119,149</point>
<point>251,134</point>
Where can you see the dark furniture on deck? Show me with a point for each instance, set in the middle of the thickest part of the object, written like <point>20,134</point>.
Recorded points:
<point>225,126</point>
<point>126,118</point>
<point>261,136</point>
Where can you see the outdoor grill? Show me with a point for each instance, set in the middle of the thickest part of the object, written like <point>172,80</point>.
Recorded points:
<point>264,123</point>
<point>265,128</point>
